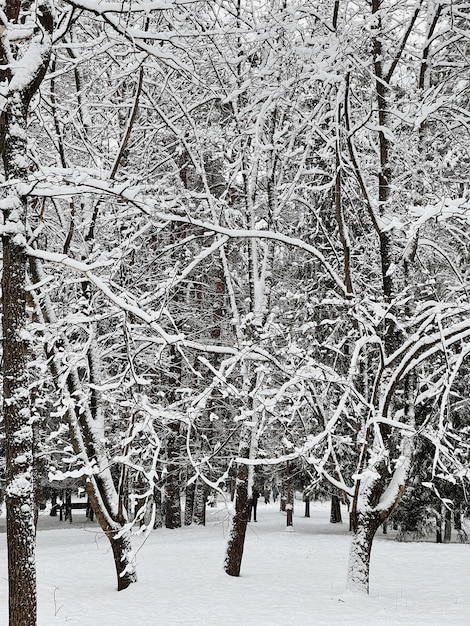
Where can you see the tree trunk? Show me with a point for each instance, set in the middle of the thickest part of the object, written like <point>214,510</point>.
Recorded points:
<point>289,505</point>
<point>461,534</point>
<point>364,529</point>
<point>172,486</point>
<point>438,528</point>
<point>123,560</point>
<point>236,542</point>
<point>189,503</point>
<point>157,498</point>
<point>199,513</point>
<point>335,512</point>
<point>53,512</point>
<point>290,515</point>
<point>447,525</point>
<point>247,450</point>
<point>19,439</point>
<point>119,538</point>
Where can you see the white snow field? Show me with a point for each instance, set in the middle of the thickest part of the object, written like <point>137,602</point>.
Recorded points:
<point>288,578</point>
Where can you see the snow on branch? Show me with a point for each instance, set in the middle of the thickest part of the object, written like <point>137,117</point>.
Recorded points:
<point>82,182</point>
<point>417,350</point>
<point>127,304</point>
<point>114,12</point>
<point>395,488</point>
<point>447,208</point>
<point>78,182</point>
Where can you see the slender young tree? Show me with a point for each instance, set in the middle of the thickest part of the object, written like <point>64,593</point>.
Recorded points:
<point>86,429</point>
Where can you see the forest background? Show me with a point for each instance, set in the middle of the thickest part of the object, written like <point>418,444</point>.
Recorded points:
<point>235,252</point>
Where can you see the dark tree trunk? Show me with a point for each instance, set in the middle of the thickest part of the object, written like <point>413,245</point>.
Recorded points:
<point>68,506</point>
<point>440,524</point>
<point>171,477</point>
<point>290,497</point>
<point>89,511</point>
<point>307,506</point>
<point>234,554</point>
<point>157,498</point>
<point>19,439</point>
<point>335,511</point>
<point>290,515</point>
<point>447,525</point>
<point>461,533</point>
<point>53,512</point>
<point>121,546</point>
<point>189,504</point>
<point>172,486</point>
<point>200,496</point>
<point>247,449</point>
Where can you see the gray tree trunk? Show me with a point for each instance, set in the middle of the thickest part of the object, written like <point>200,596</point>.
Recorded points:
<point>199,512</point>
<point>189,504</point>
<point>447,525</point>
<point>157,498</point>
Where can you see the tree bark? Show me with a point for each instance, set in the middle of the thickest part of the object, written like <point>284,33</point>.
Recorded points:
<point>199,513</point>
<point>19,439</point>
<point>189,504</point>
<point>307,506</point>
<point>447,525</point>
<point>172,486</point>
<point>289,492</point>
<point>20,489</point>
<point>236,542</point>
<point>123,561</point>
<point>157,498</point>
<point>335,512</point>
<point>247,450</point>
<point>364,529</point>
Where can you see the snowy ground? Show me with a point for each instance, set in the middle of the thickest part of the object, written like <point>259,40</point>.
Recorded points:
<point>288,578</point>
